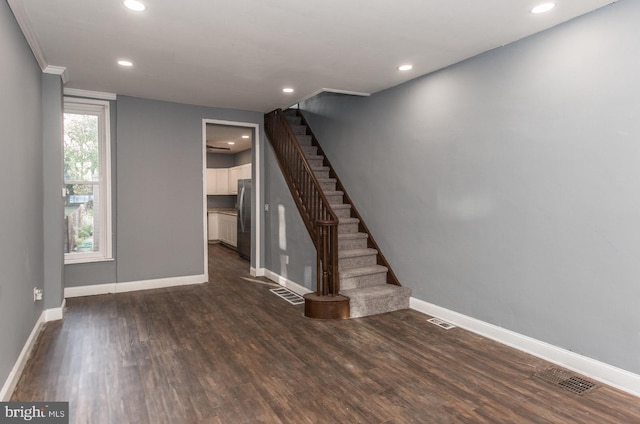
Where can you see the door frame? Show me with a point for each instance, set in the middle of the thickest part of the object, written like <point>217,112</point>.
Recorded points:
<point>255,265</point>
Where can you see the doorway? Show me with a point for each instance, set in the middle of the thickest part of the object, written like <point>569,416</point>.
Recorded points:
<point>217,136</point>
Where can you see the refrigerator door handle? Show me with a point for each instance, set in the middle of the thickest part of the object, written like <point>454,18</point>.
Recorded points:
<point>241,204</point>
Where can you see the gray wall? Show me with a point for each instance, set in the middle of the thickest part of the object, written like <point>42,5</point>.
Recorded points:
<point>21,220</point>
<point>157,202</point>
<point>506,187</point>
<point>159,193</point>
<point>242,158</point>
<point>52,168</point>
<point>217,160</point>
<point>286,236</point>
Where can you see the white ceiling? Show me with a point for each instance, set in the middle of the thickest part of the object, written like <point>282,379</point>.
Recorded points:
<point>241,53</point>
<point>220,135</point>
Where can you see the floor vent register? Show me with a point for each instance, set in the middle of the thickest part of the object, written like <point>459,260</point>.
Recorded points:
<point>288,295</point>
<point>567,380</point>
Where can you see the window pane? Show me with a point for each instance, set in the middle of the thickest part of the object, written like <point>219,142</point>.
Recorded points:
<point>87,181</point>
<point>80,147</point>
<point>81,210</point>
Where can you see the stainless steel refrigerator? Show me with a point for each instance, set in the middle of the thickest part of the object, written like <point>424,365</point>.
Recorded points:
<point>244,218</point>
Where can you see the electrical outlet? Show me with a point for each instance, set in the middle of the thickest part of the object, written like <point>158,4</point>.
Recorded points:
<point>37,294</point>
<point>266,207</point>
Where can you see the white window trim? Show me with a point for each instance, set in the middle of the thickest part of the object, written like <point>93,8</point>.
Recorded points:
<point>102,109</point>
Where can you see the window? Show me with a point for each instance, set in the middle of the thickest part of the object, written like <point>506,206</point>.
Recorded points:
<point>87,179</point>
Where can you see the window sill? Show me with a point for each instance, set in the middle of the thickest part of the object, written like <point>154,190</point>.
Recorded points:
<point>85,260</point>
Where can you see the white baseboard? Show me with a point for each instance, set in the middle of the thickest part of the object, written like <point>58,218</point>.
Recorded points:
<point>257,272</point>
<point>12,380</point>
<point>133,286</point>
<point>605,373</point>
<point>294,287</point>
<point>55,314</point>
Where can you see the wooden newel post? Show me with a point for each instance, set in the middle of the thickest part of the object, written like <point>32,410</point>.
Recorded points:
<point>325,277</point>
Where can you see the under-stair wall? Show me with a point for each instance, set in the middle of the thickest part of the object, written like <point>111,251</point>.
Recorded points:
<point>290,254</point>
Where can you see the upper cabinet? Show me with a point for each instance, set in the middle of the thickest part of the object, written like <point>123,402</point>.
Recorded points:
<point>242,172</point>
<point>225,180</point>
<point>217,181</point>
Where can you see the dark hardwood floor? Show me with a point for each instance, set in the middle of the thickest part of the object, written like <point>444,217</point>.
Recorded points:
<point>231,352</point>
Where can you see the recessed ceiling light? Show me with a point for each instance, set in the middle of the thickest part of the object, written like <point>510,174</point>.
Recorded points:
<point>287,90</point>
<point>405,67</point>
<point>134,5</point>
<point>245,136</point>
<point>544,7</point>
<point>231,143</point>
<point>126,63</point>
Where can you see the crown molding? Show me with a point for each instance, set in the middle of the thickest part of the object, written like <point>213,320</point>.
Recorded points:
<point>89,94</point>
<point>22,18</point>
<point>347,92</point>
<point>17,7</point>
<point>57,70</point>
<point>331,90</point>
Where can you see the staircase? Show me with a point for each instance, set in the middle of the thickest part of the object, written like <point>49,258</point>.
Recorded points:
<point>364,274</point>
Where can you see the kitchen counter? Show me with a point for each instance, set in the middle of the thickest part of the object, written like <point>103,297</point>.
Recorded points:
<point>225,211</point>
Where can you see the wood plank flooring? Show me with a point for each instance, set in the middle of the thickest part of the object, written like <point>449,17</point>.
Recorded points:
<point>231,352</point>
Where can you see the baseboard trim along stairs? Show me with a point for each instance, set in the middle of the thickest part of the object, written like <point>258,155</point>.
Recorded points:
<point>363,278</point>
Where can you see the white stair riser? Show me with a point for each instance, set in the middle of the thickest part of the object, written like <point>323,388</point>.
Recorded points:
<point>356,262</point>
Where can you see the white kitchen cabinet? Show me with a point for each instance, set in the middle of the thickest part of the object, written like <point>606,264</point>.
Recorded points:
<point>246,172</point>
<point>228,229</point>
<point>217,181</point>
<point>234,176</point>
<point>212,226</point>
<point>241,172</point>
